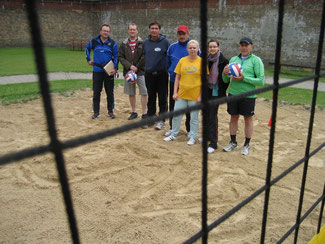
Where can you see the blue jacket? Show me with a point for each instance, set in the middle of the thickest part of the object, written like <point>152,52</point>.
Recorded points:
<point>103,52</point>
<point>175,52</point>
<point>155,53</point>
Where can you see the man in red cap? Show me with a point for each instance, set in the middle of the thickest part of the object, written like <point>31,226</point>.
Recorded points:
<point>175,52</point>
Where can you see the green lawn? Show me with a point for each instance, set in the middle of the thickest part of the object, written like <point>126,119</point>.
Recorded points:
<point>24,92</point>
<point>292,73</point>
<point>296,96</point>
<point>17,61</point>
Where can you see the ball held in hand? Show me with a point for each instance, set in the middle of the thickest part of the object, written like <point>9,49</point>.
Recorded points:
<point>235,69</point>
<point>131,77</point>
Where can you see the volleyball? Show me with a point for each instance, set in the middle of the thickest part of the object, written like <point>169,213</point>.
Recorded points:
<point>131,77</point>
<point>235,69</point>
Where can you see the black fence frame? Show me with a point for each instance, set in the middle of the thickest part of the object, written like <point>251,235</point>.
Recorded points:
<point>57,147</point>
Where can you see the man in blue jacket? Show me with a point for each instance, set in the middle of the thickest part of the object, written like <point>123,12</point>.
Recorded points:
<point>175,52</point>
<point>155,50</point>
<point>105,49</point>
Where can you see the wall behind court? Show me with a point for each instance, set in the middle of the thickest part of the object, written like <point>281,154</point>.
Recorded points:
<point>228,21</point>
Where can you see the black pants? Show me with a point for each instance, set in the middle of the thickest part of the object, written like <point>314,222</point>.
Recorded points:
<point>213,122</point>
<point>157,84</point>
<point>98,79</point>
<point>171,108</point>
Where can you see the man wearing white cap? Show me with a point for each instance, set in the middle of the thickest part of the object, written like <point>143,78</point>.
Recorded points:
<point>251,76</point>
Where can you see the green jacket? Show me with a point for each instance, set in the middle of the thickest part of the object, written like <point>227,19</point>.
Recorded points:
<point>253,70</point>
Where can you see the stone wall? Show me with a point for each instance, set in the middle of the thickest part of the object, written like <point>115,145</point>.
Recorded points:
<point>228,21</point>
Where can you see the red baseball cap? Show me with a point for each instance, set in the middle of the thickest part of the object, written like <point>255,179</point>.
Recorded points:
<point>182,28</point>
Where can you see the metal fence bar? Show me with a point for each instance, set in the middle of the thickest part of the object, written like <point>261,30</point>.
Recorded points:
<point>277,69</point>
<point>321,212</point>
<point>311,120</point>
<point>55,145</point>
<point>205,119</point>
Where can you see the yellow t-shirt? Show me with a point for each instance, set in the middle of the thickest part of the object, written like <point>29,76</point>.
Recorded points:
<point>190,81</point>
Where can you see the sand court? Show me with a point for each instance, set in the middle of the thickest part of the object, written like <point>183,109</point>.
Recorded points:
<point>136,188</point>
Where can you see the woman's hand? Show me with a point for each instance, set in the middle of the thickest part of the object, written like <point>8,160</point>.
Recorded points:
<point>199,99</point>
<point>175,96</point>
<point>226,70</point>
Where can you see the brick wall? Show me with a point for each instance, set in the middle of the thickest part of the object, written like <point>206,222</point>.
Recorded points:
<point>228,21</point>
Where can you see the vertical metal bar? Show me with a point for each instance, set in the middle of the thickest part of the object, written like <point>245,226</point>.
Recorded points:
<point>203,22</point>
<point>321,212</point>
<point>311,120</point>
<point>277,67</point>
<point>56,146</point>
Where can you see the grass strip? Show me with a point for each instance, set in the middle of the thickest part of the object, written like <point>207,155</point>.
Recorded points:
<point>296,96</point>
<point>24,92</point>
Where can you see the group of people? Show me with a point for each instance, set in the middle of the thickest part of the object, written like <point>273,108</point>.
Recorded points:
<point>157,62</point>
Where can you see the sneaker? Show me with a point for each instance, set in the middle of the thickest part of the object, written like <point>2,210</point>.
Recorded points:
<point>188,135</point>
<point>133,115</point>
<point>168,133</point>
<point>169,138</point>
<point>245,150</point>
<point>144,116</point>
<point>191,141</point>
<point>95,116</point>
<point>231,146</point>
<point>200,139</point>
<point>160,125</point>
<point>211,149</point>
<point>111,115</point>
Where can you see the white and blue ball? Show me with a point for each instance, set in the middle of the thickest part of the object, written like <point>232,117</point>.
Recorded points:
<point>235,69</point>
<point>131,77</point>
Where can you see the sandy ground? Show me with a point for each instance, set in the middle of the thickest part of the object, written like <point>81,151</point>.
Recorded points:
<point>136,188</point>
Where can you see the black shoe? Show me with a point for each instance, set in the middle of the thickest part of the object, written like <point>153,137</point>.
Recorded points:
<point>95,116</point>
<point>144,116</point>
<point>111,115</point>
<point>133,115</point>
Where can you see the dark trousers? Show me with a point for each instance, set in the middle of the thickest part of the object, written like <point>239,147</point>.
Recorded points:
<point>157,84</point>
<point>100,78</point>
<point>171,108</point>
<point>213,122</point>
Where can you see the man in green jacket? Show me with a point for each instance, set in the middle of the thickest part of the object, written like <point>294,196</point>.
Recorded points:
<point>251,76</point>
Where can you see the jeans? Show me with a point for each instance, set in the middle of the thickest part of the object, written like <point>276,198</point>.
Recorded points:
<point>194,123</point>
<point>171,108</point>
<point>98,79</point>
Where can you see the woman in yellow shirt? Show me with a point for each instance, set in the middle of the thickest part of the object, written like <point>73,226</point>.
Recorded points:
<point>187,91</point>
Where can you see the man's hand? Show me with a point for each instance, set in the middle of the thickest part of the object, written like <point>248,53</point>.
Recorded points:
<point>175,96</point>
<point>239,78</point>
<point>91,62</point>
<point>113,72</point>
<point>134,68</point>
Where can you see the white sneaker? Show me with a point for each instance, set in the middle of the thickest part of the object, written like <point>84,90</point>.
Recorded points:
<point>245,150</point>
<point>191,141</point>
<point>160,125</point>
<point>170,138</point>
<point>231,146</point>
<point>168,133</point>
<point>200,139</point>
<point>210,150</point>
